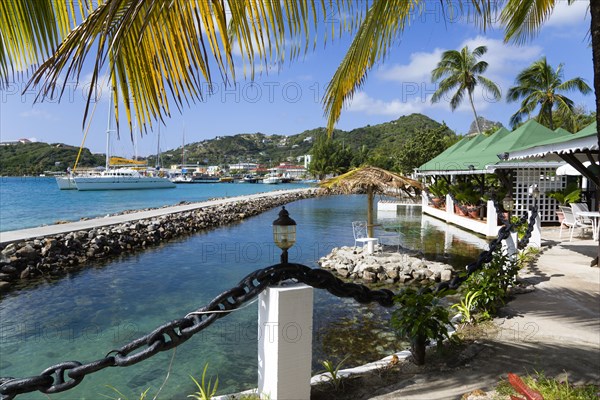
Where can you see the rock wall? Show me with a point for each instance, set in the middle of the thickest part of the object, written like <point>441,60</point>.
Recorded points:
<point>58,254</point>
<point>402,267</point>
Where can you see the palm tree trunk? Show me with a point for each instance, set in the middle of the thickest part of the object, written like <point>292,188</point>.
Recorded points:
<point>474,113</point>
<point>595,34</point>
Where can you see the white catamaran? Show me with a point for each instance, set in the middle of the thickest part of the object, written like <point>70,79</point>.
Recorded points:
<point>119,178</point>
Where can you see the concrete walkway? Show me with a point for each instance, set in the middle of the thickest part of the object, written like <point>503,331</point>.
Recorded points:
<point>49,230</point>
<point>555,329</point>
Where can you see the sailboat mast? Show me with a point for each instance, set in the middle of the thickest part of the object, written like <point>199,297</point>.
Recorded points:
<point>108,129</point>
<point>183,149</point>
<point>157,164</point>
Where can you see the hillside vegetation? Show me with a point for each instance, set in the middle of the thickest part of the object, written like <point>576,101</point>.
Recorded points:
<point>384,138</point>
<point>381,140</point>
<point>35,158</point>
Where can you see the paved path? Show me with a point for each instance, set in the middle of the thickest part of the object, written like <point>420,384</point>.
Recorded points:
<point>554,329</point>
<point>49,230</point>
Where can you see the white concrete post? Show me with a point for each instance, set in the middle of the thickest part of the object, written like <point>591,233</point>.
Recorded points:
<point>449,207</point>
<point>510,245</point>
<point>491,219</point>
<point>285,342</point>
<point>536,234</point>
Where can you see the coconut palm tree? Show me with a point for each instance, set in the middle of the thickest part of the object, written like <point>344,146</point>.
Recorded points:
<point>540,84</point>
<point>164,53</point>
<point>460,70</point>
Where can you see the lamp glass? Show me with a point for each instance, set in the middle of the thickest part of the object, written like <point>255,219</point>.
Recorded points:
<point>508,203</point>
<point>284,230</point>
<point>284,236</point>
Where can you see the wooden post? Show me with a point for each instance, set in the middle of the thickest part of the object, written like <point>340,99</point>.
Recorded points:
<point>285,342</point>
<point>370,196</point>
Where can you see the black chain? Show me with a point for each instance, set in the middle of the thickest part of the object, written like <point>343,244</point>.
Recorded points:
<point>174,333</point>
<point>525,239</point>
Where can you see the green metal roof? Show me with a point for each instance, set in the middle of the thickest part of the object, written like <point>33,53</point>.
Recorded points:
<point>585,132</point>
<point>481,151</point>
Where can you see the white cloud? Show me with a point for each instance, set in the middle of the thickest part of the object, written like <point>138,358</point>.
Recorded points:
<point>414,78</point>
<point>38,114</point>
<point>361,102</point>
<point>417,70</point>
<point>566,15</point>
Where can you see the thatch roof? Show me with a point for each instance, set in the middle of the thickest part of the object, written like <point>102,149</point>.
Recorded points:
<point>364,179</point>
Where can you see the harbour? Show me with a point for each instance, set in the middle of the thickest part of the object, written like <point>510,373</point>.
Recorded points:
<point>113,301</point>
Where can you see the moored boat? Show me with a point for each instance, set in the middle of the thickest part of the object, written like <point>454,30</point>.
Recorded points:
<point>271,180</point>
<point>121,179</point>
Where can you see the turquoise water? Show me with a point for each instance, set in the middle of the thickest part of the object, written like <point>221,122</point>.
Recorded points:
<point>27,202</point>
<point>86,314</point>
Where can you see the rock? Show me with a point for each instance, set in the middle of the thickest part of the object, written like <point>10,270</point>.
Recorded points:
<point>8,269</point>
<point>446,275</point>
<point>4,286</point>
<point>27,252</point>
<point>369,276</point>
<point>25,273</point>
<point>9,250</point>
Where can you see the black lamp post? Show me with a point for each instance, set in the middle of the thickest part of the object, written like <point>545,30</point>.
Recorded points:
<point>284,233</point>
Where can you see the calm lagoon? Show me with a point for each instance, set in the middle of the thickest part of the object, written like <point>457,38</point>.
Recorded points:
<point>86,314</point>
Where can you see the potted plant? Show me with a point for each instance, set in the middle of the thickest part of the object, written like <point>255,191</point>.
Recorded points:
<point>439,190</point>
<point>466,196</point>
<point>570,194</point>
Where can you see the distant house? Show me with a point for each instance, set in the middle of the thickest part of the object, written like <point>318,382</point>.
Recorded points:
<point>289,170</point>
<point>13,142</point>
<point>242,166</point>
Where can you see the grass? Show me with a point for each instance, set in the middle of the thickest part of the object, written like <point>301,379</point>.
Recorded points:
<point>551,389</point>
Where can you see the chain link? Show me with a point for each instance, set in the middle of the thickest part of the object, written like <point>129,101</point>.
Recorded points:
<point>174,333</point>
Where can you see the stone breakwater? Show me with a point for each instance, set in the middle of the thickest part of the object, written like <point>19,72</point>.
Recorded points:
<point>398,267</point>
<point>56,255</point>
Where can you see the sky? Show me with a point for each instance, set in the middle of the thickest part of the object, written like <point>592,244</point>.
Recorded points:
<point>287,100</point>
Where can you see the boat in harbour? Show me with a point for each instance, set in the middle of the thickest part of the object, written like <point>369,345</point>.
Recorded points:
<point>123,177</point>
<point>66,182</point>
<point>271,180</point>
<point>250,179</point>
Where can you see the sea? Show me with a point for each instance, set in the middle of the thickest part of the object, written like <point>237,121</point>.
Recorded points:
<point>88,313</point>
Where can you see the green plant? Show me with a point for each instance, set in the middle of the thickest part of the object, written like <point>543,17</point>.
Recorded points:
<point>566,196</point>
<point>467,305</point>
<point>521,228</point>
<point>122,396</point>
<point>249,396</point>
<point>333,371</point>
<point>205,390</point>
<point>550,388</point>
<point>419,318</point>
<point>492,281</point>
<point>527,256</point>
<point>439,188</point>
<point>465,193</point>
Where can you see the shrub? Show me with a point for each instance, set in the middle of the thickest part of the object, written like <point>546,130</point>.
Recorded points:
<point>419,318</point>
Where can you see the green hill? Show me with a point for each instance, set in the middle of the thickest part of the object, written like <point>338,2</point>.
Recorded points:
<point>35,158</point>
<point>258,147</point>
<point>386,139</point>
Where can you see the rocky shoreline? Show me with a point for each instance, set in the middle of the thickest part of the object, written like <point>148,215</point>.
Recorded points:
<point>57,255</point>
<point>404,266</point>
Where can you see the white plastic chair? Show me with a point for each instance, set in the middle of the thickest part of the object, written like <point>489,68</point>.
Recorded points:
<point>359,229</point>
<point>571,222</point>
<point>581,207</point>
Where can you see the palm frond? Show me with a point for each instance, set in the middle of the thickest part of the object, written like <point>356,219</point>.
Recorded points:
<point>578,84</point>
<point>30,31</point>
<point>363,179</point>
<point>490,86</point>
<point>523,18</point>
